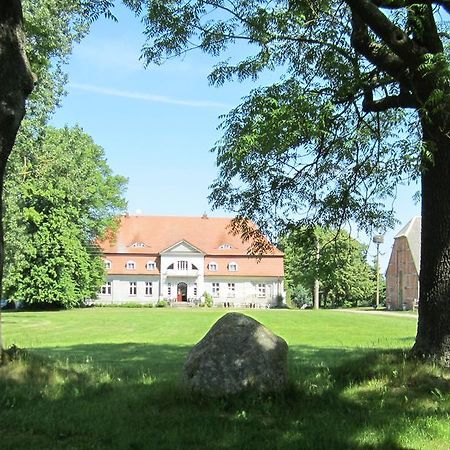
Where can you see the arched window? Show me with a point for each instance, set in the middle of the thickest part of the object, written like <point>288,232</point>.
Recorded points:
<point>108,264</point>
<point>212,266</point>
<point>130,265</point>
<point>232,267</point>
<point>151,265</point>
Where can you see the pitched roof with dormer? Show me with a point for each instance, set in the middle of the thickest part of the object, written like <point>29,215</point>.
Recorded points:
<point>155,234</point>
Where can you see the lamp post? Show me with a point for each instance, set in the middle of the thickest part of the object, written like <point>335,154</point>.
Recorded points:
<point>378,239</point>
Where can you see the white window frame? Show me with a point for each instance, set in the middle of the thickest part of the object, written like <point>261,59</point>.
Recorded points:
<point>108,264</point>
<point>106,289</point>
<point>225,247</point>
<point>182,265</point>
<point>231,290</point>
<point>261,290</point>
<point>213,266</point>
<point>169,290</point>
<point>138,245</point>
<point>151,265</point>
<point>215,289</point>
<point>195,290</point>
<point>130,265</point>
<point>149,288</point>
<point>132,288</point>
<point>233,267</point>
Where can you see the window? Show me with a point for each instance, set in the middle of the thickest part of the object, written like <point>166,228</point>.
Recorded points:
<point>170,267</point>
<point>225,247</point>
<point>169,289</point>
<point>261,290</point>
<point>231,289</point>
<point>148,288</point>
<point>108,265</point>
<point>133,288</point>
<point>212,266</point>
<point>138,245</point>
<point>151,265</point>
<point>232,267</point>
<point>194,267</point>
<point>106,289</point>
<point>131,265</point>
<point>215,289</point>
<point>182,265</point>
<point>195,290</point>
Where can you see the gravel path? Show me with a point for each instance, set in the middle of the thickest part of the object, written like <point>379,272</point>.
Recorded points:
<point>379,313</point>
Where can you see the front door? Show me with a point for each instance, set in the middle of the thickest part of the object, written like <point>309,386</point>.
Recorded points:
<point>182,292</point>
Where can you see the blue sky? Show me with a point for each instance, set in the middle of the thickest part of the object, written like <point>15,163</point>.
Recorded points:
<point>158,124</point>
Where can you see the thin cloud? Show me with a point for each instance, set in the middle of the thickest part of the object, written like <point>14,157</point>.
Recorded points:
<point>147,97</point>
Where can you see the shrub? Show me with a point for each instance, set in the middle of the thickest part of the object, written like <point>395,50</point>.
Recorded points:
<point>208,299</point>
<point>162,303</point>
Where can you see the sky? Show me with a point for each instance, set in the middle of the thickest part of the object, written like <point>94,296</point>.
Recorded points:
<point>158,124</point>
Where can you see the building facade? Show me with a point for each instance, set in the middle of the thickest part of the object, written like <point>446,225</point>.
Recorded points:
<point>179,259</point>
<point>402,275</point>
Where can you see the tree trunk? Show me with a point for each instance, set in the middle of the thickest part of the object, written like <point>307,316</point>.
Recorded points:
<point>433,333</point>
<point>16,83</point>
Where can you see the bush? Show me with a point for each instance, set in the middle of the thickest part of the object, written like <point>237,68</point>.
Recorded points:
<point>162,303</point>
<point>300,296</point>
<point>208,299</point>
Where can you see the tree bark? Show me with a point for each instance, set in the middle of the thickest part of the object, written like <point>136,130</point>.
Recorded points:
<point>16,83</point>
<point>433,333</point>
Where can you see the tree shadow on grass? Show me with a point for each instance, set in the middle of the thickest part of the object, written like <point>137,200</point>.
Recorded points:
<point>128,396</point>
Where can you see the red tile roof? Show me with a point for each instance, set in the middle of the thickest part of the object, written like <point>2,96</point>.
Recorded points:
<point>154,234</point>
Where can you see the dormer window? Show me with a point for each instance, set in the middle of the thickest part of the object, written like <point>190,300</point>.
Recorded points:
<point>225,247</point>
<point>138,245</point>
<point>108,265</point>
<point>130,265</point>
<point>232,267</point>
<point>212,266</point>
<point>151,265</point>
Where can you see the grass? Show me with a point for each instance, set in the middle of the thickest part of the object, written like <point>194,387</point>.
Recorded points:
<point>109,379</point>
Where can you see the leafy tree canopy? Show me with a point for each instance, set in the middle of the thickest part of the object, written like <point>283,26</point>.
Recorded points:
<point>345,277</point>
<point>62,198</point>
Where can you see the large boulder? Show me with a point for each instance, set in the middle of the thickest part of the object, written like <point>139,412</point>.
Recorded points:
<point>237,354</point>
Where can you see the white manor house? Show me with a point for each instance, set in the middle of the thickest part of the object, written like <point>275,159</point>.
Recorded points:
<point>180,258</point>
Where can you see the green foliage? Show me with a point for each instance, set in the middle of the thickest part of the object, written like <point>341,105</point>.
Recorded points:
<point>346,279</point>
<point>298,295</point>
<point>310,148</point>
<point>208,300</point>
<point>162,303</point>
<point>61,200</point>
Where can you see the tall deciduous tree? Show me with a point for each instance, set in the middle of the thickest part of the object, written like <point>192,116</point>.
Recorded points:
<point>62,199</point>
<point>345,277</point>
<point>363,104</point>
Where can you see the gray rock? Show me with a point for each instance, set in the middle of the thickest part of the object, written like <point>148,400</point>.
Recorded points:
<point>237,354</point>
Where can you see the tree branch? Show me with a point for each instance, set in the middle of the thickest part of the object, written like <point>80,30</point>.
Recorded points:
<point>392,35</point>
<point>402,100</point>
<point>375,53</point>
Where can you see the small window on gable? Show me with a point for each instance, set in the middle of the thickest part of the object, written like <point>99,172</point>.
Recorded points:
<point>232,267</point>
<point>108,265</point>
<point>138,245</point>
<point>225,247</point>
<point>151,265</point>
<point>194,267</point>
<point>170,267</point>
<point>131,265</point>
<point>212,266</point>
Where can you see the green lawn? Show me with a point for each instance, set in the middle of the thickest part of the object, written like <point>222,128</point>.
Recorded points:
<point>108,378</point>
